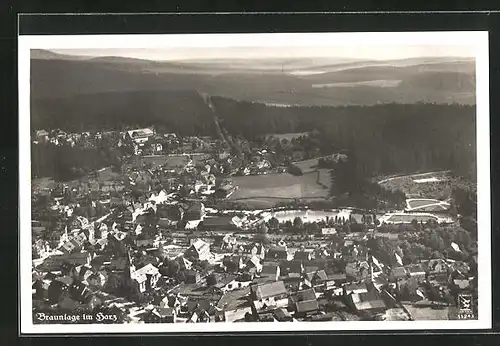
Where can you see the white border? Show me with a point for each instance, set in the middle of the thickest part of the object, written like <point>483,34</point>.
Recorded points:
<point>477,39</point>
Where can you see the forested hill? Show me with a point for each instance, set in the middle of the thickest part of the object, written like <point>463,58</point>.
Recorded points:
<point>388,138</point>
<point>284,81</point>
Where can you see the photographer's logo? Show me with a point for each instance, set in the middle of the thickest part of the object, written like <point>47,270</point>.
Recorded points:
<point>465,311</point>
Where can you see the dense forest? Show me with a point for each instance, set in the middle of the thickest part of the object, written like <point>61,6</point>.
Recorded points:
<point>387,139</point>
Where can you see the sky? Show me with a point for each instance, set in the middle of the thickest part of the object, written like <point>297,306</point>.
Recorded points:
<point>371,52</point>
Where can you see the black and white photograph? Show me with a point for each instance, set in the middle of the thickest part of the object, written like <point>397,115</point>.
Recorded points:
<point>226,182</point>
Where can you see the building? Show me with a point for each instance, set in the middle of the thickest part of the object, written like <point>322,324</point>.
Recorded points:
<point>366,302</point>
<point>271,271</point>
<point>140,136</point>
<point>268,290</point>
<point>54,263</point>
<point>398,273</point>
<point>327,232</point>
<point>306,307</point>
<point>220,224</point>
<point>416,271</point>
<point>147,277</point>
<point>199,250</point>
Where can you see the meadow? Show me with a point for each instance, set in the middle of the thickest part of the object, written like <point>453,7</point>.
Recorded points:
<point>270,189</point>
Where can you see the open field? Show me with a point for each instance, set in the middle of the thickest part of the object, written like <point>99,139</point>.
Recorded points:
<point>278,186</point>
<point>307,166</point>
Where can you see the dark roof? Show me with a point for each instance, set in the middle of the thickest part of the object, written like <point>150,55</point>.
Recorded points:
<point>269,269</point>
<point>398,272</point>
<point>307,306</point>
<point>321,275</point>
<point>415,268</point>
<point>218,221</point>
<point>308,294</point>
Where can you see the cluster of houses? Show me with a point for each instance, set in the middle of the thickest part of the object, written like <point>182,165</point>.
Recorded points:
<point>142,243</point>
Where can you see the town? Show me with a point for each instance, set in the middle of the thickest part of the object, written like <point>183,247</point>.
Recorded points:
<point>199,229</point>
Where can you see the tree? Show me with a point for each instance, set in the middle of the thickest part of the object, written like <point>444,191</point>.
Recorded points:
<point>211,280</point>
<point>274,223</point>
<point>56,290</point>
<point>297,222</point>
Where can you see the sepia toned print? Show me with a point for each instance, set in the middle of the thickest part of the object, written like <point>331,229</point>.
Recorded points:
<point>196,186</point>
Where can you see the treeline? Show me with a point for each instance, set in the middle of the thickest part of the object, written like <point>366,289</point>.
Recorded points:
<point>63,163</point>
<point>350,187</point>
<point>388,138</point>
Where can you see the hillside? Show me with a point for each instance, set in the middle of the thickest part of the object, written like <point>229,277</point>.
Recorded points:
<point>285,81</point>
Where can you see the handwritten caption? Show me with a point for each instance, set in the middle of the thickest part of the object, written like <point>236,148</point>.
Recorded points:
<point>99,317</point>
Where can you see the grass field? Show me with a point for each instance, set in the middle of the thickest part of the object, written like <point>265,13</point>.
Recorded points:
<point>277,187</point>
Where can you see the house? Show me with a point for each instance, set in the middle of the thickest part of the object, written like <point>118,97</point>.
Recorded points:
<point>220,224</point>
<point>410,290</point>
<point>398,273</point>
<point>328,232</point>
<point>228,284</point>
<point>358,270</point>
<point>319,277</point>
<point>167,314</point>
<point>306,307</point>
<point>147,277</point>
<point>54,263</point>
<point>416,271</point>
<point>258,250</point>
<point>140,136</point>
<point>335,280</point>
<point>267,290</point>
<point>271,271</point>
<point>145,240</point>
<point>366,302</point>
<point>184,264</point>
<point>277,252</point>
<point>42,136</point>
<point>199,250</point>
<point>168,215</point>
<point>461,284</point>
<point>355,288</point>
<point>253,265</point>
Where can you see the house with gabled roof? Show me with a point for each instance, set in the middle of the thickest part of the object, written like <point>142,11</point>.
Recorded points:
<point>199,250</point>
<point>267,290</point>
<point>366,302</point>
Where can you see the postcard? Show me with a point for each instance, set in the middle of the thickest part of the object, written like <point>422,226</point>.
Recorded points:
<point>324,181</point>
